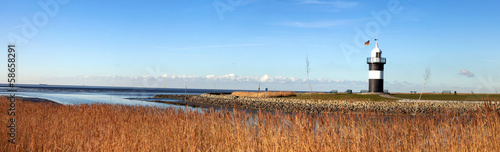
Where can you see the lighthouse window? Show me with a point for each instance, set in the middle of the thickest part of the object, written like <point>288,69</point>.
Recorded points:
<point>378,54</point>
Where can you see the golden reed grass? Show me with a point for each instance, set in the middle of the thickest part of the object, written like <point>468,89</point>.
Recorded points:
<point>264,94</point>
<point>98,127</point>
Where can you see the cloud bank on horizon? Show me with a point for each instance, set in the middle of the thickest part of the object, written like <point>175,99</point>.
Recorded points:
<point>229,81</point>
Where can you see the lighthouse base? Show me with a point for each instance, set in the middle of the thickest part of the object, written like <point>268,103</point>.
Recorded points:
<point>376,85</point>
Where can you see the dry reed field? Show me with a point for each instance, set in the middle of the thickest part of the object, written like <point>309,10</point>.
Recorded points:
<point>264,94</point>
<point>97,127</point>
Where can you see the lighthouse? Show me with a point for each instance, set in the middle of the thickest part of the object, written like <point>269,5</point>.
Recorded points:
<point>376,70</point>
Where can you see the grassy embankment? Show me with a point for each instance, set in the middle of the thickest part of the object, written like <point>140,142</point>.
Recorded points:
<point>450,97</point>
<point>369,97</point>
<point>315,96</point>
<point>264,94</point>
<point>97,127</point>
<point>342,96</point>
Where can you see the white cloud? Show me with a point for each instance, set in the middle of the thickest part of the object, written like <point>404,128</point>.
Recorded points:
<point>466,73</point>
<point>210,76</point>
<point>230,76</point>
<point>264,78</point>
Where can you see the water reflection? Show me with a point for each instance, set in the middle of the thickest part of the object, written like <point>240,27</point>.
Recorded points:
<point>75,98</point>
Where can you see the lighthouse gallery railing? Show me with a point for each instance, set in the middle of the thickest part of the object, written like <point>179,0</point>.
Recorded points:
<point>375,60</point>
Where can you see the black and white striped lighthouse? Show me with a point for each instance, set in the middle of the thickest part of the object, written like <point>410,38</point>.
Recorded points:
<point>376,73</point>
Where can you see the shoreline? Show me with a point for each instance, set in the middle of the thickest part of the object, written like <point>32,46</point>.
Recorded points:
<point>35,99</point>
<point>326,106</point>
<point>195,102</point>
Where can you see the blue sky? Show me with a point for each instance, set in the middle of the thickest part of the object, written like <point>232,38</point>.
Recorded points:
<point>239,44</point>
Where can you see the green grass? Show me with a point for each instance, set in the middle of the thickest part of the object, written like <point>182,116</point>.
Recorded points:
<point>459,97</point>
<point>342,96</point>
